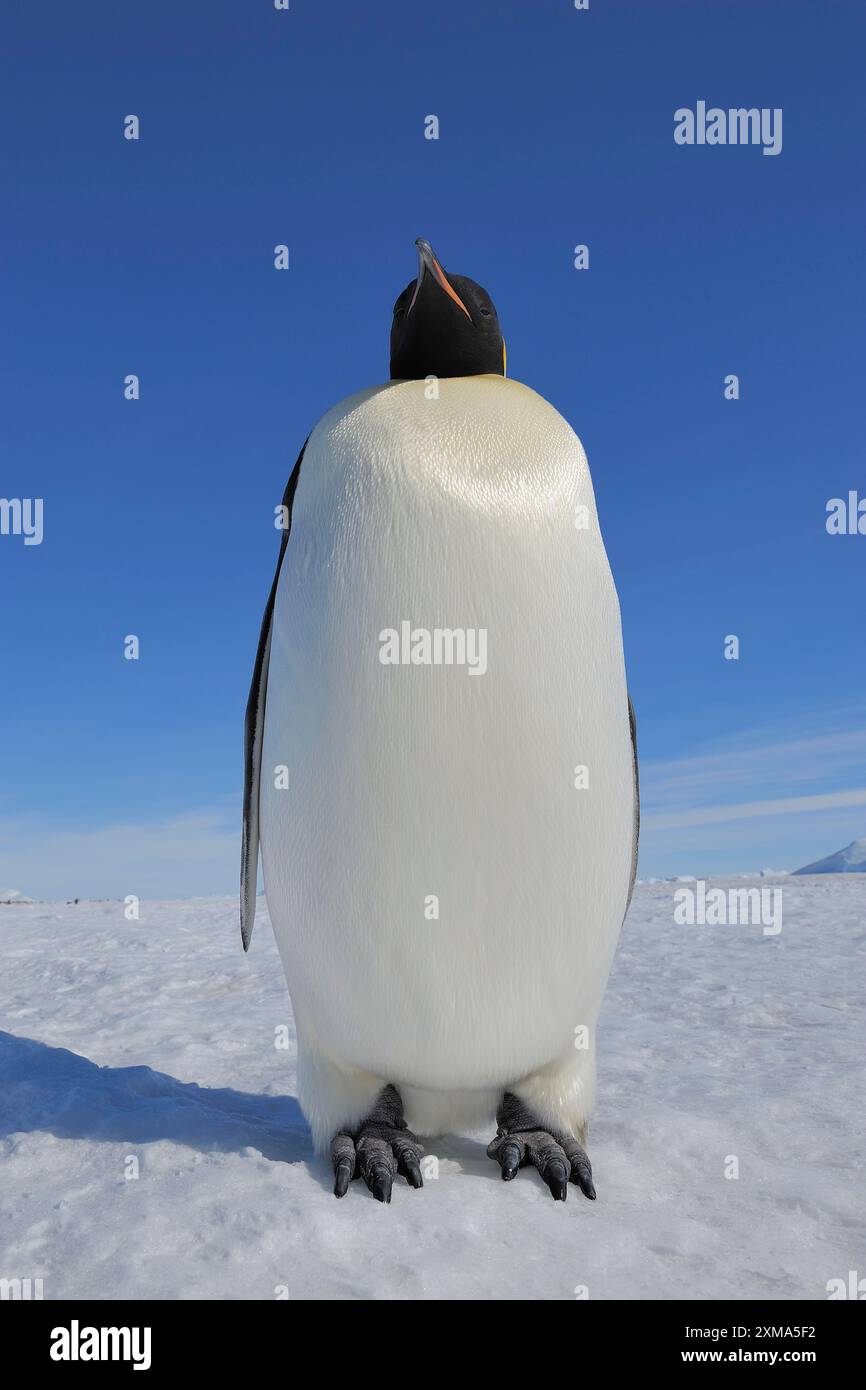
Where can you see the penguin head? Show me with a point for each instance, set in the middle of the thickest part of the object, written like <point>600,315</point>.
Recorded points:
<point>444,325</point>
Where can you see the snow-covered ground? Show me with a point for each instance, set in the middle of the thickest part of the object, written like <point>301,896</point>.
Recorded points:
<point>155,1041</point>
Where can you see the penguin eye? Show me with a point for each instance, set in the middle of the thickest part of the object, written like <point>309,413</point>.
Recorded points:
<point>484,311</point>
<point>399,310</point>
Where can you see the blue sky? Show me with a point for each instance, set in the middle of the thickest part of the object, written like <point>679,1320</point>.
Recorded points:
<point>306,127</point>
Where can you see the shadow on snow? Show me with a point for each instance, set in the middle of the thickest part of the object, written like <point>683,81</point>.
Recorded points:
<point>52,1089</point>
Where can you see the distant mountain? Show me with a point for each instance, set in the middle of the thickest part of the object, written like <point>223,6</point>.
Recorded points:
<point>850,860</point>
<point>12,895</point>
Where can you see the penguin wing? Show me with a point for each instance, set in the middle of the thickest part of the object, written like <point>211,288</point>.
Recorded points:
<point>632,725</point>
<point>254,728</point>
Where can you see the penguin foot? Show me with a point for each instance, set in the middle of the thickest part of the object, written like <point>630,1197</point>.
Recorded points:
<point>377,1150</point>
<point>521,1140</point>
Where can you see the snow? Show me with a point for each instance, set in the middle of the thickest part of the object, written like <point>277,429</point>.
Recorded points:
<point>850,860</point>
<point>155,1039</point>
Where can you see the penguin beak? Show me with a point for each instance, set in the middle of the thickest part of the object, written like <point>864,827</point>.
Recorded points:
<point>428,264</point>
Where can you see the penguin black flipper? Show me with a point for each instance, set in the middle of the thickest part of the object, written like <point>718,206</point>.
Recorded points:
<point>632,725</point>
<point>254,731</point>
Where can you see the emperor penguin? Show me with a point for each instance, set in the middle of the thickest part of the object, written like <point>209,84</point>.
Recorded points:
<point>441,763</point>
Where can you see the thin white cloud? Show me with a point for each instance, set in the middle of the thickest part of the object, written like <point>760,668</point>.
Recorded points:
<point>748,810</point>
<point>701,812</point>
<point>179,856</point>
<point>747,764</point>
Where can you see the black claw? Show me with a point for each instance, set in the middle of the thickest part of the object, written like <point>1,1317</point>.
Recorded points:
<point>411,1170</point>
<point>556,1177</point>
<point>582,1175</point>
<point>379,1182</point>
<point>342,1177</point>
<point>509,1158</point>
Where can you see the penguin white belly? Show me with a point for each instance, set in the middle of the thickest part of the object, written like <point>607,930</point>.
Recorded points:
<point>446,900</point>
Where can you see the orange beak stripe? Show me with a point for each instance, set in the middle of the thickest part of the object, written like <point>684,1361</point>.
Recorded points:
<point>452,294</point>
